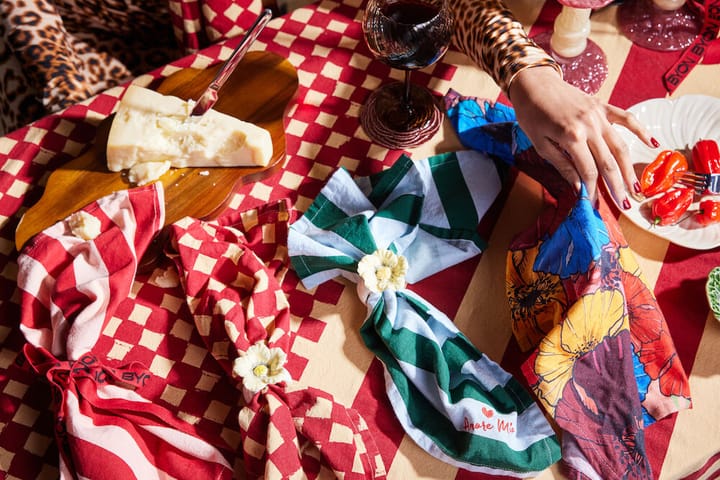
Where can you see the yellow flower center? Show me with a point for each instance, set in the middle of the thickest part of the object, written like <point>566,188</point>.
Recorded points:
<point>260,370</point>
<point>383,273</point>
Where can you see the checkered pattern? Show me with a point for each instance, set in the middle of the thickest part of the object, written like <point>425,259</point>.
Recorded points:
<point>198,23</point>
<point>236,302</point>
<point>151,326</point>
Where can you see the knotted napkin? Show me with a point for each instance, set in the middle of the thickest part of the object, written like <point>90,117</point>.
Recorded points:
<point>601,360</point>
<point>74,275</point>
<point>288,430</point>
<point>71,288</point>
<point>388,231</point>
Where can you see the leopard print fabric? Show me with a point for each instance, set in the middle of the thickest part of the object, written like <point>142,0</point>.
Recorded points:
<point>60,52</point>
<point>486,31</point>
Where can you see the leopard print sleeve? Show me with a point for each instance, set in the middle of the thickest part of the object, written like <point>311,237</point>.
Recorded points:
<point>487,32</point>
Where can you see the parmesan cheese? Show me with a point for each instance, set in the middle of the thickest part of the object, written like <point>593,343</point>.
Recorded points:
<point>84,225</point>
<point>150,127</point>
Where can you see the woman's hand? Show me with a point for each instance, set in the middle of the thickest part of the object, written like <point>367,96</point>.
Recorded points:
<point>574,132</point>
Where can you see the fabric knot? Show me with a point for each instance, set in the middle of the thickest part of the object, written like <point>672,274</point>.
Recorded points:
<point>63,372</point>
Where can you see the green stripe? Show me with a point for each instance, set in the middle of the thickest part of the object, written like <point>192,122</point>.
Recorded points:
<point>450,438</point>
<point>355,230</point>
<point>507,398</point>
<point>405,208</point>
<point>453,191</point>
<point>306,265</point>
<point>456,234</point>
<point>426,354</point>
<point>385,182</point>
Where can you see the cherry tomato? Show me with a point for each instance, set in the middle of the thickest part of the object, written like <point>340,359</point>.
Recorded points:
<point>706,156</point>
<point>662,172</point>
<point>668,209</point>
<point>709,212</point>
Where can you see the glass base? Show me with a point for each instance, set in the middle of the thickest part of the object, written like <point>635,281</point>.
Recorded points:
<point>392,124</point>
<point>587,71</point>
<point>666,30</point>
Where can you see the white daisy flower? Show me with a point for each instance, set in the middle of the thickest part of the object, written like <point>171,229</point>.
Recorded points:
<point>261,366</point>
<point>383,270</point>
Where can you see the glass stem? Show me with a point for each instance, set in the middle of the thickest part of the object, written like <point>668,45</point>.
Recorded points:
<point>406,95</point>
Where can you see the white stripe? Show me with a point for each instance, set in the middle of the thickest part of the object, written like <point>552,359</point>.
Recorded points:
<point>342,191</point>
<point>319,242</point>
<point>111,439</point>
<point>93,280</point>
<point>482,178</point>
<point>428,255</point>
<point>34,279</point>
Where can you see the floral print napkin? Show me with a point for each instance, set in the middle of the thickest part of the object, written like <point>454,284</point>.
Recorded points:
<point>599,355</point>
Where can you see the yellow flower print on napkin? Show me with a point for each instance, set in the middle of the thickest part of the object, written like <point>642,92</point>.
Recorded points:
<point>592,318</point>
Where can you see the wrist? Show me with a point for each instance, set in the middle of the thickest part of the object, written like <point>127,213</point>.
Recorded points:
<point>531,76</point>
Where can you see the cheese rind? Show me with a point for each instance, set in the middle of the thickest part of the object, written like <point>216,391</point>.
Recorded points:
<point>152,127</point>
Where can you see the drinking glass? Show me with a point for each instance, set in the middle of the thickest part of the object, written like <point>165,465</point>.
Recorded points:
<point>407,35</point>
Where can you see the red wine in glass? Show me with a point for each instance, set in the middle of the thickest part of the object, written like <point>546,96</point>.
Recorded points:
<point>407,35</point>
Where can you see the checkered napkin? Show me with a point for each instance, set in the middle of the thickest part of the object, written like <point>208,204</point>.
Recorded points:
<point>396,228</point>
<point>105,428</point>
<point>288,430</point>
<point>601,360</point>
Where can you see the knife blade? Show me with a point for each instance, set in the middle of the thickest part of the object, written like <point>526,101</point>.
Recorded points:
<point>206,101</point>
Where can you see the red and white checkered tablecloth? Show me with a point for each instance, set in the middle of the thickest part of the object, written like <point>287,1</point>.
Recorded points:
<point>336,73</point>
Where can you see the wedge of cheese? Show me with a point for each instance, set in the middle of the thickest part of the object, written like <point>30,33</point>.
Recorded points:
<point>150,127</point>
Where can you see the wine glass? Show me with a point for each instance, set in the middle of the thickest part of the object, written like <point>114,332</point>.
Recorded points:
<point>407,35</point>
<point>582,61</point>
<point>663,25</point>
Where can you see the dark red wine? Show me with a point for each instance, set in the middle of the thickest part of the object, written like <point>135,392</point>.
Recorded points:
<point>408,34</point>
<point>409,12</point>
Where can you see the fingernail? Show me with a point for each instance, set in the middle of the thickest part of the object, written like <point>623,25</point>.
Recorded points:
<point>654,142</point>
<point>626,204</point>
<point>637,187</point>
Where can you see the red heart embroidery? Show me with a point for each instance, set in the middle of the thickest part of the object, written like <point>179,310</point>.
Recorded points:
<point>487,413</point>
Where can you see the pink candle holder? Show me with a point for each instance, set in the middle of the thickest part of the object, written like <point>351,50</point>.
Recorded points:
<point>582,61</point>
<point>664,25</point>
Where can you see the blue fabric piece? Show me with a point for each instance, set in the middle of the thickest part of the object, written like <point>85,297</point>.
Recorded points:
<point>576,243</point>
<point>484,128</point>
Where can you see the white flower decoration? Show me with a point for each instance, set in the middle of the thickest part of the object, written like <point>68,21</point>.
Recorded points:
<point>383,269</point>
<point>261,366</point>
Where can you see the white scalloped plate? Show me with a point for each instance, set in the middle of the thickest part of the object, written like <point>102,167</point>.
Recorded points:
<point>677,124</point>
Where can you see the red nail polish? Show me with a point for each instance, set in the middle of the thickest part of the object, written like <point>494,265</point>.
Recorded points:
<point>637,187</point>
<point>654,142</point>
<point>626,204</point>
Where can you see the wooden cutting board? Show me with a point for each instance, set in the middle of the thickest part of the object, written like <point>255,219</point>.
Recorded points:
<point>258,91</point>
